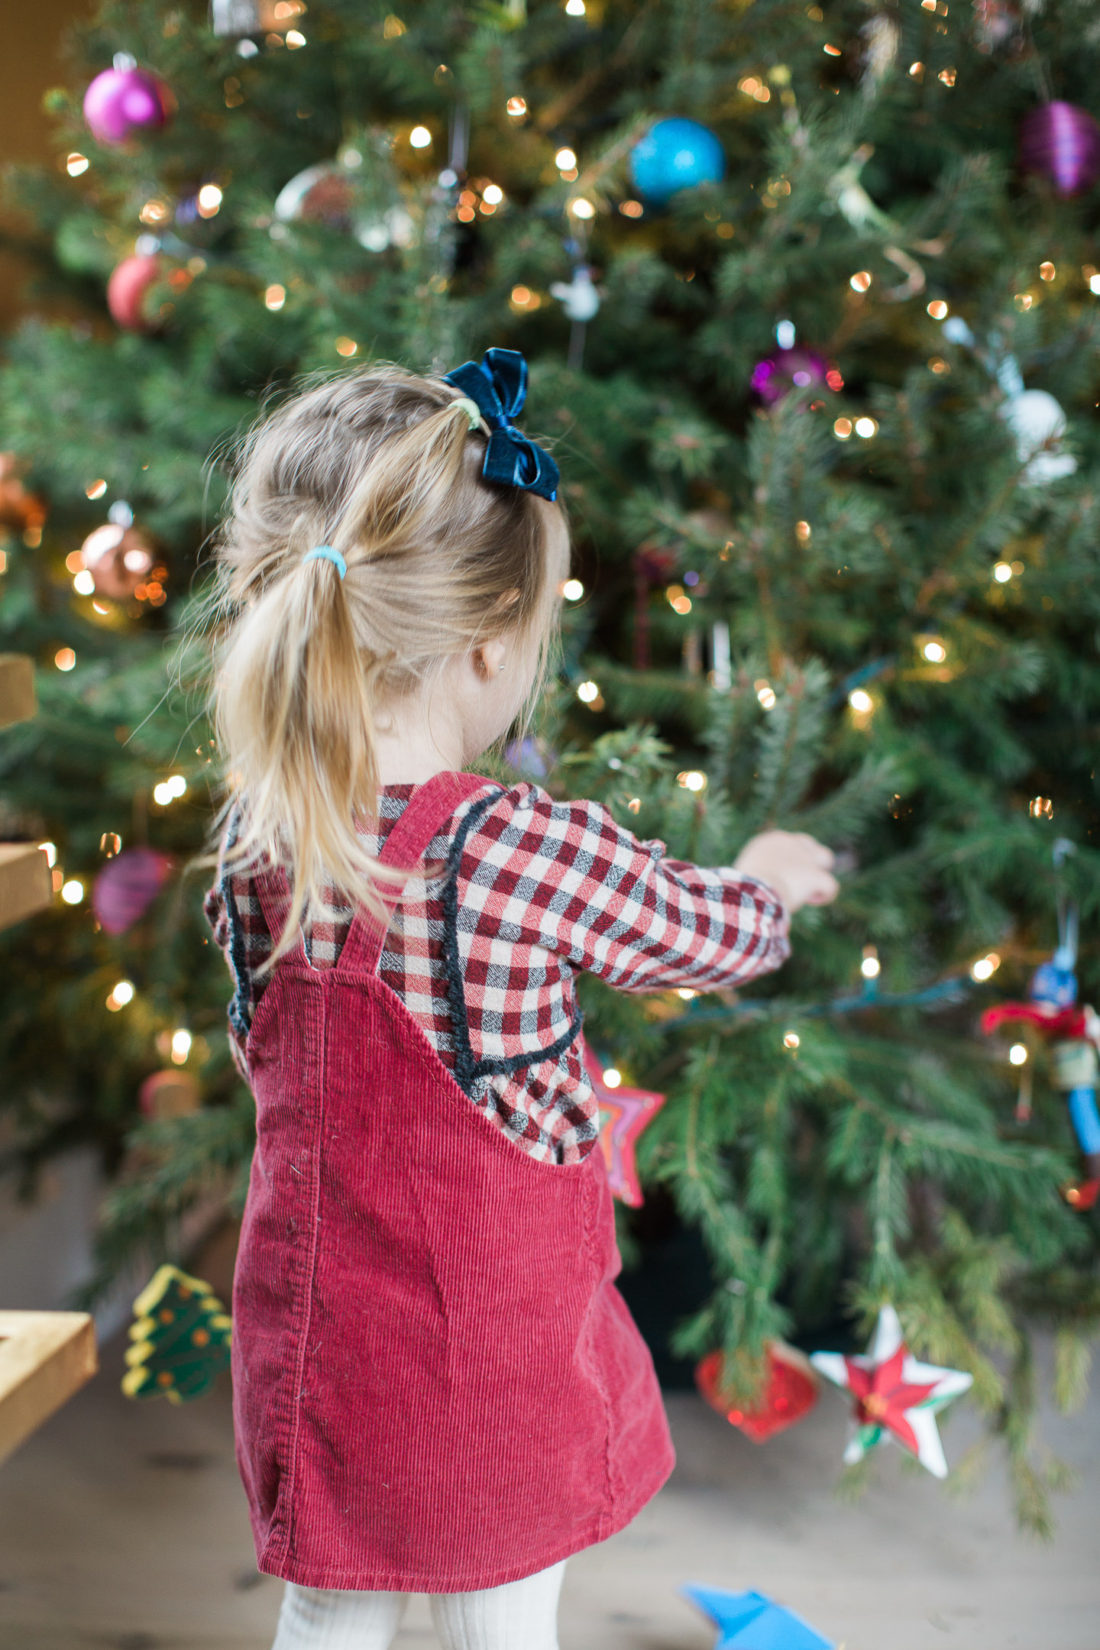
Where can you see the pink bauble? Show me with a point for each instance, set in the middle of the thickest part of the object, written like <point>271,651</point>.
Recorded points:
<point>127,287</point>
<point>120,102</point>
<point>169,1094</point>
<point>127,885</point>
<point>1062,142</point>
<point>118,558</point>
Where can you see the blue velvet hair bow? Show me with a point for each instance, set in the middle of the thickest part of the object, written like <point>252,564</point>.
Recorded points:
<point>499,387</point>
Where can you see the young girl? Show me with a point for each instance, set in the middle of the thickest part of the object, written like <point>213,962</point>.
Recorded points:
<point>437,1387</point>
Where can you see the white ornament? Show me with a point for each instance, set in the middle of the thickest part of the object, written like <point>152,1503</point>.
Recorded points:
<point>579,297</point>
<point>1038,423</point>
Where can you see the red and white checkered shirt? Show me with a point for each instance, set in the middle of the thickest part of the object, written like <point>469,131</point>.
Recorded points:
<point>536,890</point>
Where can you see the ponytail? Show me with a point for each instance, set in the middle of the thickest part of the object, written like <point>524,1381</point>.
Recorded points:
<point>379,468</point>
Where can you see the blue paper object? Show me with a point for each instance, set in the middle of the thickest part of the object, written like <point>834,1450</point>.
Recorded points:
<point>675,154</point>
<point>750,1621</point>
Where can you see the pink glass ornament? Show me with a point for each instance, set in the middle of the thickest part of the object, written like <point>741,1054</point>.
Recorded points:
<point>126,289</point>
<point>122,100</point>
<point>127,885</point>
<point>1062,142</point>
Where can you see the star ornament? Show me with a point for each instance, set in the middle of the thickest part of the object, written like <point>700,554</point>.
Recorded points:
<point>624,1113</point>
<point>896,1395</point>
<point>751,1621</point>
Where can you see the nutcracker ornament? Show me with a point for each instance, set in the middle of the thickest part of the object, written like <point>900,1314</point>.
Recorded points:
<point>1071,1033</point>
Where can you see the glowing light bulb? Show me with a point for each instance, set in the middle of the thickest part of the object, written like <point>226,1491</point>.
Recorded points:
<point>1017,1054</point>
<point>985,967</point>
<point>84,583</point>
<point>208,200</point>
<point>870,967</point>
<point>692,780</point>
<point>492,193</point>
<point>587,692</point>
<point>582,208</point>
<point>72,892</point>
<point>516,106</point>
<point>1002,572</point>
<point>420,137</point>
<point>565,160</point>
<point>181,1046</point>
<point>64,658</point>
<point>934,651</point>
<point>791,1039</point>
<point>612,1077</point>
<point>572,590</point>
<point>121,994</point>
<point>861,701</point>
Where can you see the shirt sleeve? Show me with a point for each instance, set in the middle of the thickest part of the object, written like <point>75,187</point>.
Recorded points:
<point>568,877</point>
<point>214,910</point>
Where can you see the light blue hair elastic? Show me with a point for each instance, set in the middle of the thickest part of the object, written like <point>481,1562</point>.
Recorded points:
<point>329,554</point>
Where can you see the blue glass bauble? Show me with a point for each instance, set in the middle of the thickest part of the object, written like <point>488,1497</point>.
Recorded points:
<point>1054,984</point>
<point>675,154</point>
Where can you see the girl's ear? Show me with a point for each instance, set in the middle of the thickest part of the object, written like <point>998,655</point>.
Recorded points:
<point>489,657</point>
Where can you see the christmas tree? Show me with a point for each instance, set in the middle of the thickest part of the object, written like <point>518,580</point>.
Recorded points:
<point>806,295</point>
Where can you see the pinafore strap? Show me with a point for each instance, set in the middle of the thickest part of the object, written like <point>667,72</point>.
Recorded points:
<point>429,807</point>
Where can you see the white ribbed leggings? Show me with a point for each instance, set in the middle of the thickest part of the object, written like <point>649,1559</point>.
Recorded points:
<point>521,1615</point>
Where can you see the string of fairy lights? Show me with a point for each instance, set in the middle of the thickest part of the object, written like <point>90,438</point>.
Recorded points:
<point>583,200</point>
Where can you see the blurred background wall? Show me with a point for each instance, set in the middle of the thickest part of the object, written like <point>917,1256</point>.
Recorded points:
<point>30,62</point>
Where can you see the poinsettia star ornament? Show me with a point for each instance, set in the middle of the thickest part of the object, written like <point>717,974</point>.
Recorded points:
<point>896,1395</point>
<point>624,1113</point>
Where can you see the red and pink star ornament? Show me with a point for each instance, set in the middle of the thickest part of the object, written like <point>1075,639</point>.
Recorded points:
<point>896,1395</point>
<point>624,1113</point>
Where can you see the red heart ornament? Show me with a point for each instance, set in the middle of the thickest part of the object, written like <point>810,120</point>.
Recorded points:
<point>790,1393</point>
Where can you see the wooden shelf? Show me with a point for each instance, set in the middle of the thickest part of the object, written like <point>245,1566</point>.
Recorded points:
<point>44,1358</point>
<point>17,697</point>
<point>25,882</point>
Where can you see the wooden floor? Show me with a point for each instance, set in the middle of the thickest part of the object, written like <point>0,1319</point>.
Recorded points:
<point>123,1527</point>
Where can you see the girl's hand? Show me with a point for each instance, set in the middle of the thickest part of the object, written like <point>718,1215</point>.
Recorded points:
<point>797,866</point>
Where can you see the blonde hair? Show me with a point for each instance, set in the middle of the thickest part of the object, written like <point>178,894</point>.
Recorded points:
<point>381,464</point>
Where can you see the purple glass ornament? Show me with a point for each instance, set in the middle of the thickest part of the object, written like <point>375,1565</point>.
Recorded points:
<point>121,100</point>
<point>787,369</point>
<point>1062,142</point>
<point>526,757</point>
<point>127,885</point>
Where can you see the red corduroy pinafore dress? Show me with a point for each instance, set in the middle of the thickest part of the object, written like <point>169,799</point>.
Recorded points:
<point>436,1385</point>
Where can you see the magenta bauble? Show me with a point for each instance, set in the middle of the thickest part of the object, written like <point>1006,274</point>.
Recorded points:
<point>127,287</point>
<point>127,885</point>
<point>1062,143</point>
<point>792,369</point>
<point>122,101</point>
